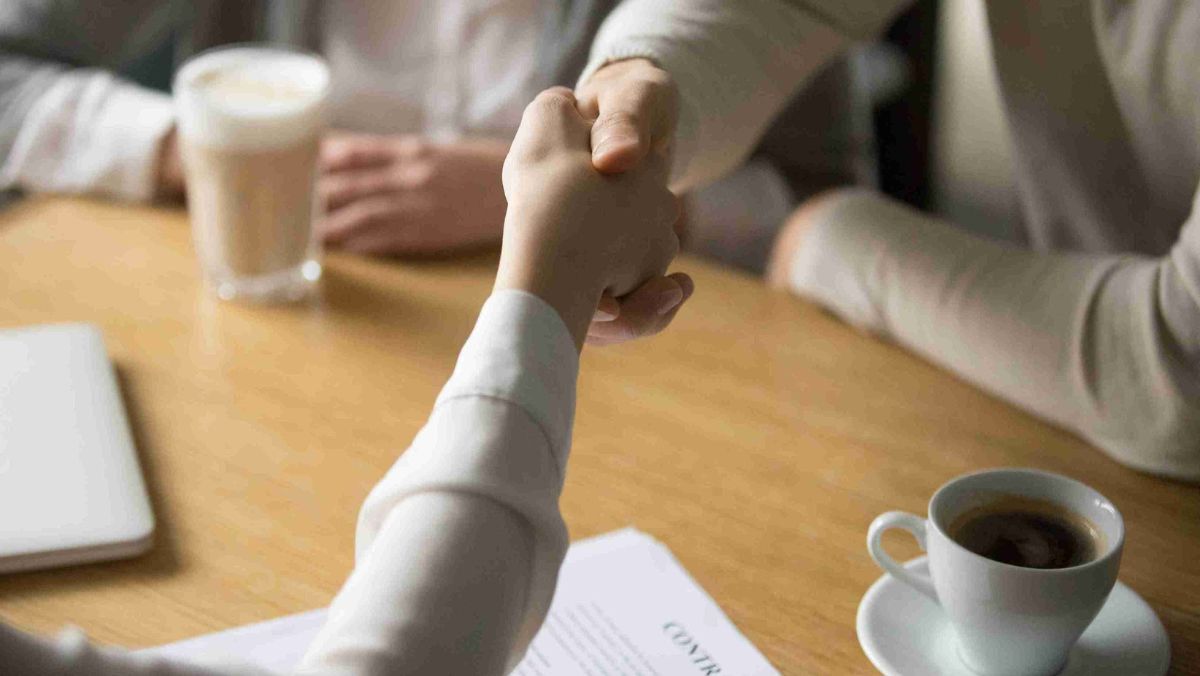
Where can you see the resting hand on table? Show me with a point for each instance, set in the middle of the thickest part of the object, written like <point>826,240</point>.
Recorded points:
<point>401,194</point>
<point>572,234</point>
<point>634,105</point>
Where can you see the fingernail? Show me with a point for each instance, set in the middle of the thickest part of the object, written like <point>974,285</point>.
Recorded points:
<point>689,287</point>
<point>610,138</point>
<point>667,300</point>
<point>602,316</point>
<point>600,145</point>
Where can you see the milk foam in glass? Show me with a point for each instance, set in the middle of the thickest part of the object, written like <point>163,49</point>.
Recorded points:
<point>249,122</point>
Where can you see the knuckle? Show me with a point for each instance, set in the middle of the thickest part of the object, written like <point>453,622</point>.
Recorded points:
<point>560,91</point>
<point>629,329</point>
<point>414,177</point>
<point>644,90</point>
<point>547,104</point>
<point>410,146</point>
<point>335,155</point>
<point>618,118</point>
<point>508,181</point>
<point>524,152</point>
<point>659,81</point>
<point>558,98</point>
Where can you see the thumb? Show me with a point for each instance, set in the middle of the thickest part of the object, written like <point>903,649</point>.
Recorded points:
<point>620,139</point>
<point>634,104</point>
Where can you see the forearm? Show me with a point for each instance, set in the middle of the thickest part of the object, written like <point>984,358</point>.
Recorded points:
<point>459,545</point>
<point>442,592</point>
<point>22,81</point>
<point>735,64</point>
<point>574,303</point>
<point>79,131</point>
<point>1079,340</point>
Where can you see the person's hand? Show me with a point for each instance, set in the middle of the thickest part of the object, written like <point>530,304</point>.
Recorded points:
<point>406,195</point>
<point>169,180</point>
<point>572,234</point>
<point>634,106</point>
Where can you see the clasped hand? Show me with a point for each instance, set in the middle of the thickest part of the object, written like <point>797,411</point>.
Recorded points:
<point>573,235</point>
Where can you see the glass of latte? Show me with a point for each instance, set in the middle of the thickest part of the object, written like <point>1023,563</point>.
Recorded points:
<point>249,123</point>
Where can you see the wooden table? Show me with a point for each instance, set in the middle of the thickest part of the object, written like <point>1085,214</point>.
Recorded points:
<point>757,439</point>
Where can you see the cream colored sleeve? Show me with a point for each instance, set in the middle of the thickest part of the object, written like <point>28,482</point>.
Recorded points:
<point>79,131</point>
<point>458,547</point>
<point>736,64</point>
<point>1107,346</point>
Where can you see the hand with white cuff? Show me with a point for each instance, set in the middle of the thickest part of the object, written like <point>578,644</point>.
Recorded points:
<point>572,234</point>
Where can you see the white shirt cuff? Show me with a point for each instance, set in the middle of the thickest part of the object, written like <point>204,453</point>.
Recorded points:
<point>501,429</point>
<point>90,133</point>
<point>521,352</point>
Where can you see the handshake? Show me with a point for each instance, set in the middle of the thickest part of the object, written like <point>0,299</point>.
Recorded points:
<point>595,246</point>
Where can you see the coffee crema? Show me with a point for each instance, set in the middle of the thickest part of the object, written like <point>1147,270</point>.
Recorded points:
<point>1028,533</point>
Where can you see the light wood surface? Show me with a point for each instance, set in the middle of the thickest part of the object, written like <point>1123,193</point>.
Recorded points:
<point>757,439</point>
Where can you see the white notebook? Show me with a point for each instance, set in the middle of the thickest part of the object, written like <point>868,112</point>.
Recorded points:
<point>624,605</point>
<point>71,489</point>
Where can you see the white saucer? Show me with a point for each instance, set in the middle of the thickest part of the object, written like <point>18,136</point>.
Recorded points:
<point>905,634</point>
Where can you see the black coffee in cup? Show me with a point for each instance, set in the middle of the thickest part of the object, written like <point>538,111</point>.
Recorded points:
<point>1028,533</point>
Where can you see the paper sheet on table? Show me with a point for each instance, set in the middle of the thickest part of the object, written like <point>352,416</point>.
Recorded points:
<point>624,605</point>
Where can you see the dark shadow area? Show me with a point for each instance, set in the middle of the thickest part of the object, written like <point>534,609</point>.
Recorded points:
<point>346,292</point>
<point>347,289</point>
<point>162,560</point>
<point>8,198</point>
<point>476,253</point>
<point>903,132</point>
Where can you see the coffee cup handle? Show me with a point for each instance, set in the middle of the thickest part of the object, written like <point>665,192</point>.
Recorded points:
<point>913,524</point>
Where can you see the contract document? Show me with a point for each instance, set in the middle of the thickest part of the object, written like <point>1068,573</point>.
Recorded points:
<point>624,605</point>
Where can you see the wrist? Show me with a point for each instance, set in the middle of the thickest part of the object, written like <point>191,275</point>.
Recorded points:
<point>570,289</point>
<point>170,180</point>
<point>634,66</point>
<point>624,65</point>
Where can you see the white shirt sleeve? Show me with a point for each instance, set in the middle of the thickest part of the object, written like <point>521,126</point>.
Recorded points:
<point>1105,345</point>
<point>487,469</point>
<point>736,64</point>
<point>459,545</point>
<point>90,132</point>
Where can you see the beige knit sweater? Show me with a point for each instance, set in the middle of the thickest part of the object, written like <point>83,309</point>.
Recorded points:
<point>1095,324</point>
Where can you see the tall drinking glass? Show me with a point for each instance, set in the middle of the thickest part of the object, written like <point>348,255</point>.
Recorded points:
<point>249,123</point>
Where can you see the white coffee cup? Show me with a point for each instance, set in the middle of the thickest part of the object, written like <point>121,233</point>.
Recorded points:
<point>1008,620</point>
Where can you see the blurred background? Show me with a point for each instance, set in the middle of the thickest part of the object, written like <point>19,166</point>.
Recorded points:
<point>915,114</point>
